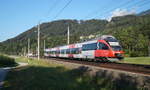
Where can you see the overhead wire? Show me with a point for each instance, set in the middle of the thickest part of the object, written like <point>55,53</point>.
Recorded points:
<point>62,9</point>
<point>123,5</point>
<point>134,4</point>
<point>144,3</point>
<point>52,7</point>
<point>95,12</point>
<point>111,9</point>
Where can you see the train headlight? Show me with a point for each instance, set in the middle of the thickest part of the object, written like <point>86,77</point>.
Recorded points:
<point>119,55</point>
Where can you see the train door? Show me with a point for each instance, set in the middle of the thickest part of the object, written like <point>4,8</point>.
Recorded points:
<point>88,50</point>
<point>78,51</point>
<point>102,50</point>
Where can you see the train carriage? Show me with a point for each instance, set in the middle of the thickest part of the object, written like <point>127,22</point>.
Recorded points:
<point>106,47</point>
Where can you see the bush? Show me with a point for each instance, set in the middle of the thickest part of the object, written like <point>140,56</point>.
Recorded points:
<point>134,54</point>
<point>7,61</point>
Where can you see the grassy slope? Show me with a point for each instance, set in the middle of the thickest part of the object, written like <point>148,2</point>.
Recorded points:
<point>43,75</point>
<point>137,60</point>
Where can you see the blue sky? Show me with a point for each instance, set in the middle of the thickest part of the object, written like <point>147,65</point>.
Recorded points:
<point>17,16</point>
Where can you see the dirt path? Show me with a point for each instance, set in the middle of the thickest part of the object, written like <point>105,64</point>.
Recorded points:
<point>3,72</point>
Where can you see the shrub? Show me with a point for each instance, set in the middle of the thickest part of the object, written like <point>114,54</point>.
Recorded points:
<point>7,61</point>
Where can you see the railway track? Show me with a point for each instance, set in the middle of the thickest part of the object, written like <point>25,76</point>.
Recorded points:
<point>135,68</point>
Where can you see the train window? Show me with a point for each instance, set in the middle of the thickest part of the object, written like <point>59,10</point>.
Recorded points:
<point>53,52</point>
<point>77,51</point>
<point>50,52</point>
<point>116,48</point>
<point>62,51</point>
<point>110,39</point>
<point>102,46</point>
<point>57,52</point>
<point>67,51</point>
<point>74,51</point>
<point>92,46</point>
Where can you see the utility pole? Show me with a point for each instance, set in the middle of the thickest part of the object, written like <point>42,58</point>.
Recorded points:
<point>24,51</point>
<point>149,49</point>
<point>68,36</point>
<point>44,45</point>
<point>39,41</point>
<point>28,46</point>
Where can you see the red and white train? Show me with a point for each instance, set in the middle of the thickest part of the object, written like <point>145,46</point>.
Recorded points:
<point>106,48</point>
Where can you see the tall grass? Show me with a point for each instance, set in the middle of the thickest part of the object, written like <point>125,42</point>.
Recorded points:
<point>6,61</point>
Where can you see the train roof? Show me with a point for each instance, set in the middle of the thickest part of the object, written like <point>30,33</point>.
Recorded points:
<point>103,37</point>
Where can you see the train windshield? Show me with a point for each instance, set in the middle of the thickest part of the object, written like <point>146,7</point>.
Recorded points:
<point>110,39</point>
<point>116,48</point>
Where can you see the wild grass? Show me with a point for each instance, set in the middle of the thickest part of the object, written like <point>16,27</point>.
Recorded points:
<point>137,60</point>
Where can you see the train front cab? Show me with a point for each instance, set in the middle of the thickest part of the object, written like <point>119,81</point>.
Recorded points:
<point>107,52</point>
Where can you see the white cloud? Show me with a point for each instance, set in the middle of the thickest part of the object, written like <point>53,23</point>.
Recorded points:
<point>121,12</point>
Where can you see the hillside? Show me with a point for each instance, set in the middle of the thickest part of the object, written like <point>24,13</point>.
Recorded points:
<point>147,12</point>
<point>132,31</point>
<point>55,32</point>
